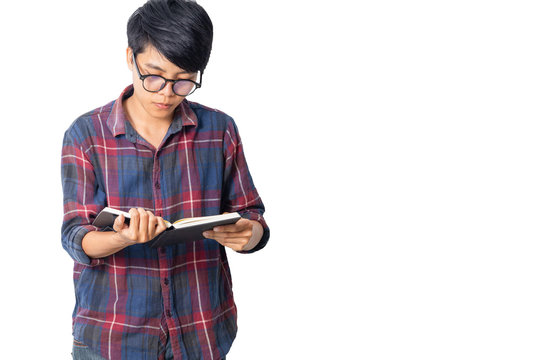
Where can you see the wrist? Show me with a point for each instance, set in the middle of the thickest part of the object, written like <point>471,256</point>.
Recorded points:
<point>120,241</point>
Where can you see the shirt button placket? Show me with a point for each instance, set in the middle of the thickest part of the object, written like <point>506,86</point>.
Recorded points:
<point>158,204</point>
<point>165,283</point>
<point>162,251</point>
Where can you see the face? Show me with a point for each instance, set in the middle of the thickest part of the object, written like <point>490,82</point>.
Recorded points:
<point>161,104</point>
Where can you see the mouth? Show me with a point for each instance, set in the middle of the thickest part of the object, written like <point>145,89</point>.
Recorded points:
<point>163,106</point>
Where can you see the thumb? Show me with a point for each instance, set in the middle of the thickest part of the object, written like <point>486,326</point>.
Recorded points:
<point>118,224</point>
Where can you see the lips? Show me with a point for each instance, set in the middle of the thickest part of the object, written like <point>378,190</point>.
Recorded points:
<point>163,106</point>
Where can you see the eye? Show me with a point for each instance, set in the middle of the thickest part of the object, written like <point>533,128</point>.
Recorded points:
<point>183,88</point>
<point>153,83</point>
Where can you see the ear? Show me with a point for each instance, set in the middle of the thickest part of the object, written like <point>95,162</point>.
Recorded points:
<point>129,58</point>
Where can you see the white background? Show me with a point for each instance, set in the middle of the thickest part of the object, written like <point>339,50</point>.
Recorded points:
<point>395,145</point>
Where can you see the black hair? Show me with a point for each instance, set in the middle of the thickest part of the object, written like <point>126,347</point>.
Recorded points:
<point>180,30</point>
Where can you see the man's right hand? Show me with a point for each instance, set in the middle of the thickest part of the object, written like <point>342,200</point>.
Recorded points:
<point>143,227</point>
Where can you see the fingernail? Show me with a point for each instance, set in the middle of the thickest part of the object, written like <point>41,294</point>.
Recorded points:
<point>206,234</point>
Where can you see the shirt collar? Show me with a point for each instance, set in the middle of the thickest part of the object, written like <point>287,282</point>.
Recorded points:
<point>117,119</point>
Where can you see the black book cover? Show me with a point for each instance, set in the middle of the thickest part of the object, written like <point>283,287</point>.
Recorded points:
<point>186,232</point>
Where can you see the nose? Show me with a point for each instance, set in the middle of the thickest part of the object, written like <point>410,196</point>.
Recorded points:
<point>167,89</point>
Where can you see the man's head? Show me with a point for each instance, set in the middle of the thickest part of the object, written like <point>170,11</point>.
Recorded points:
<point>180,30</point>
<point>171,39</point>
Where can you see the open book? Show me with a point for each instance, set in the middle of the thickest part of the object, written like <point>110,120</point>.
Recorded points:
<point>181,231</point>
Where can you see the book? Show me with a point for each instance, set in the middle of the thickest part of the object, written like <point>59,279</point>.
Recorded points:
<point>180,231</point>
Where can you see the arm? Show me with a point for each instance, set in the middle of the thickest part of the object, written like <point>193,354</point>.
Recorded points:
<point>250,233</point>
<point>83,199</point>
<point>143,227</point>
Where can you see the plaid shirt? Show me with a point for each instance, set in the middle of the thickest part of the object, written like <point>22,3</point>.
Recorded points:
<point>129,303</point>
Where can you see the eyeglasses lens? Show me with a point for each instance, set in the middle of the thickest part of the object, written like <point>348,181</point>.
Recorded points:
<point>153,83</point>
<point>156,83</point>
<point>183,87</point>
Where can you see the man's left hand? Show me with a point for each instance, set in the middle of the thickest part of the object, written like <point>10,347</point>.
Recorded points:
<point>244,235</point>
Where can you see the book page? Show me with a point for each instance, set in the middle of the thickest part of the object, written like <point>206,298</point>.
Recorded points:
<point>202,219</point>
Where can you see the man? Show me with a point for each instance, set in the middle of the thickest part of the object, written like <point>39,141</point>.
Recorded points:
<point>159,156</point>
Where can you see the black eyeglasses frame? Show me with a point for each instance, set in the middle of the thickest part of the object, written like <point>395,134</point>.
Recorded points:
<point>173,81</point>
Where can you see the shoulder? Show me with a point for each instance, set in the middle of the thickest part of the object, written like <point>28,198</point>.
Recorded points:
<point>89,125</point>
<point>208,116</point>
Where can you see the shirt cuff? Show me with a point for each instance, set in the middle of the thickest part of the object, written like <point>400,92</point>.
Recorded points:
<point>79,255</point>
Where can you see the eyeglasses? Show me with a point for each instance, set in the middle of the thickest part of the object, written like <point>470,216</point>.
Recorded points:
<point>154,83</point>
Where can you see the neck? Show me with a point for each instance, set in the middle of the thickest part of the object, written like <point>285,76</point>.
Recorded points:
<point>152,129</point>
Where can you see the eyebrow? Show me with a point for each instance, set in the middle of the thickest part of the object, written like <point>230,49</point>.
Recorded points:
<point>155,67</point>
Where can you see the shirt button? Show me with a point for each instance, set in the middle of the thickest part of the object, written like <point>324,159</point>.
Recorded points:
<point>166,281</point>
<point>168,313</point>
<point>158,186</point>
<point>162,250</point>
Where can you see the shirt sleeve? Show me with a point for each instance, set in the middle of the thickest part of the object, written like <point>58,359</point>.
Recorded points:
<point>82,199</point>
<point>239,192</point>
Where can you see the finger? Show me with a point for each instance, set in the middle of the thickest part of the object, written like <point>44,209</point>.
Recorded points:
<point>219,241</point>
<point>134,221</point>
<point>235,244</point>
<point>237,247</point>
<point>244,232</point>
<point>239,226</point>
<point>225,236</point>
<point>213,236</point>
<point>235,241</point>
<point>143,223</point>
<point>161,226</point>
<point>118,224</point>
<point>152,224</point>
<point>227,228</point>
